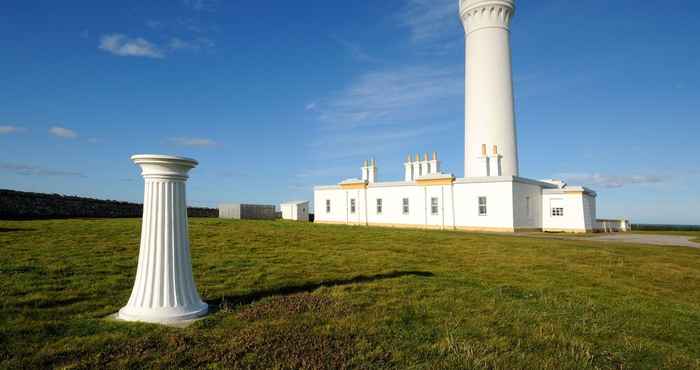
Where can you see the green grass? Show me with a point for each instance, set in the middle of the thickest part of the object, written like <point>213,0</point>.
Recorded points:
<point>294,295</point>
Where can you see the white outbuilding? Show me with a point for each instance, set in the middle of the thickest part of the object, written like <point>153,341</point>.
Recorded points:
<point>295,210</point>
<point>239,211</point>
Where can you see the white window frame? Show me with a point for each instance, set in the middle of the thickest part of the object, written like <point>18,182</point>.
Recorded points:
<point>434,206</point>
<point>483,208</point>
<point>353,206</point>
<point>380,206</point>
<point>405,206</point>
<point>557,212</point>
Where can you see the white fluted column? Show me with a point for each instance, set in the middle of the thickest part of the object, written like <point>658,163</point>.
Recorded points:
<point>164,289</point>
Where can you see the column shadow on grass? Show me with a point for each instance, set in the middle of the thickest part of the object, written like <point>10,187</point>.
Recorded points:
<point>245,299</point>
<point>12,230</point>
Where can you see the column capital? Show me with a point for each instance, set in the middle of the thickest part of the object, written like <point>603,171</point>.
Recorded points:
<point>479,14</point>
<point>164,166</point>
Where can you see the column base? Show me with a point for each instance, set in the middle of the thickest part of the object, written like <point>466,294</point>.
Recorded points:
<point>163,315</point>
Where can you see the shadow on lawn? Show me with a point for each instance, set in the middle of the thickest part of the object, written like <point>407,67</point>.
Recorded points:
<point>11,230</point>
<point>237,300</point>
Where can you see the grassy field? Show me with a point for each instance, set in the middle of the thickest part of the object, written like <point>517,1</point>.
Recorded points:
<point>291,295</point>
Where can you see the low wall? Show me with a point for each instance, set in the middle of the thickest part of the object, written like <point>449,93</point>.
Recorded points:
<point>612,226</point>
<point>19,205</point>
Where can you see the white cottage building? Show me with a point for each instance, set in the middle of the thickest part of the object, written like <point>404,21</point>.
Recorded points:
<point>492,196</point>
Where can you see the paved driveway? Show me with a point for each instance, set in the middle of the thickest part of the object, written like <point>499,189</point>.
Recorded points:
<point>677,240</point>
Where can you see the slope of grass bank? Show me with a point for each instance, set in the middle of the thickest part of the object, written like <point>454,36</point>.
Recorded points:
<point>292,295</point>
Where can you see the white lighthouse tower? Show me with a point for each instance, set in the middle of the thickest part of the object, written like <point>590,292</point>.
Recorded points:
<point>490,113</point>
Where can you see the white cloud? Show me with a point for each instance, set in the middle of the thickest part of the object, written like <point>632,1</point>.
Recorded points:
<point>390,96</point>
<point>121,45</point>
<point>611,181</point>
<point>31,170</point>
<point>4,130</point>
<point>63,132</point>
<point>192,142</point>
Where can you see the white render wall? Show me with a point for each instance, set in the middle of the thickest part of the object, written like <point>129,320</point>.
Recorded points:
<point>458,204</point>
<point>589,214</point>
<point>512,204</point>
<point>574,218</point>
<point>527,205</point>
<point>295,211</point>
<point>499,197</point>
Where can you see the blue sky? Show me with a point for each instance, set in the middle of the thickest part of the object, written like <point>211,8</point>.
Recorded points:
<point>273,97</point>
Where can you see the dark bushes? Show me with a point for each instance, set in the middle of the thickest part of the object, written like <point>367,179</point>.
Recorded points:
<point>19,205</point>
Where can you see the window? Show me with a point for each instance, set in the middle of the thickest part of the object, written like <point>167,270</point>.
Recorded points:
<point>434,206</point>
<point>328,206</point>
<point>379,206</point>
<point>482,206</point>
<point>420,170</point>
<point>353,208</point>
<point>405,206</point>
<point>557,212</point>
<point>429,168</point>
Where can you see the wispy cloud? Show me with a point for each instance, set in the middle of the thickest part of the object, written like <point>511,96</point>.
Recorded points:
<point>356,51</point>
<point>311,107</point>
<point>195,45</point>
<point>390,96</point>
<point>323,172</point>
<point>362,119</point>
<point>31,170</point>
<point>434,25</point>
<point>121,45</point>
<point>611,181</point>
<point>63,132</point>
<point>5,130</point>
<point>365,143</point>
<point>200,5</point>
<point>192,142</point>
<point>154,24</point>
